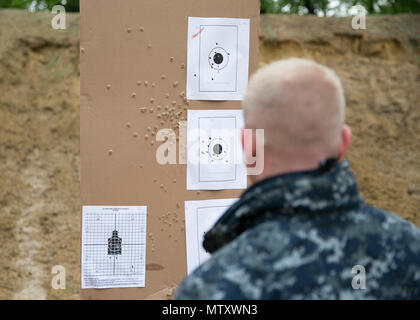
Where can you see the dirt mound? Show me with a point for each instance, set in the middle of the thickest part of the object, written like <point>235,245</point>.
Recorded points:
<point>39,132</point>
<point>39,154</point>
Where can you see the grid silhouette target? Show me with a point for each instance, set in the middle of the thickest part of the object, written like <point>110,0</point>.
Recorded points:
<point>113,246</point>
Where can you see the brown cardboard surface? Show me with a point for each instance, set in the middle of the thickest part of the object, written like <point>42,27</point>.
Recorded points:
<point>122,43</point>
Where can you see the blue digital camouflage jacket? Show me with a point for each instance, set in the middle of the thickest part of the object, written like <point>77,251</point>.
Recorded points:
<point>307,235</point>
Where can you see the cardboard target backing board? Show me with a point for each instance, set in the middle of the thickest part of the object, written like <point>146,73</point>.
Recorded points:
<point>133,81</point>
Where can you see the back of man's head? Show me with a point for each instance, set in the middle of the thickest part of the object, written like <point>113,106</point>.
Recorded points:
<point>300,105</point>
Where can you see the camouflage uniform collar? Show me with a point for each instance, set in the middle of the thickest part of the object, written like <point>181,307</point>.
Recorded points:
<point>328,189</point>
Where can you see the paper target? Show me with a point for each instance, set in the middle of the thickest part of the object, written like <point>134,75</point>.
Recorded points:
<point>113,246</point>
<point>218,163</point>
<point>218,58</point>
<point>200,216</point>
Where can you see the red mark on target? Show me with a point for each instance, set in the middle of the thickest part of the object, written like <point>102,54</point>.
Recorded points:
<point>198,33</point>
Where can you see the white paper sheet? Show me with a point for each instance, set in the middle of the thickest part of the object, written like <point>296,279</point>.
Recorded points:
<point>113,246</point>
<point>200,216</point>
<point>214,153</point>
<point>217,58</point>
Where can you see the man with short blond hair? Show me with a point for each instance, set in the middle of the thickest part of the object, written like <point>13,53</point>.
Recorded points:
<point>302,231</point>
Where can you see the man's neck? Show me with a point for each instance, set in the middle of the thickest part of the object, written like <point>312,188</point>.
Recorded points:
<point>278,168</point>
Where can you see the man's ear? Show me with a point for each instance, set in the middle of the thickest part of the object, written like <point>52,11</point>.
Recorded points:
<point>248,146</point>
<point>345,141</point>
<point>246,150</point>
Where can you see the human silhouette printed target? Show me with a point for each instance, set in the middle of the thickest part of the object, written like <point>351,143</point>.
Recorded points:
<point>113,246</point>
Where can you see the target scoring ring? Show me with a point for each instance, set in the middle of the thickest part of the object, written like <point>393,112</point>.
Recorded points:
<point>217,149</point>
<point>218,58</point>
